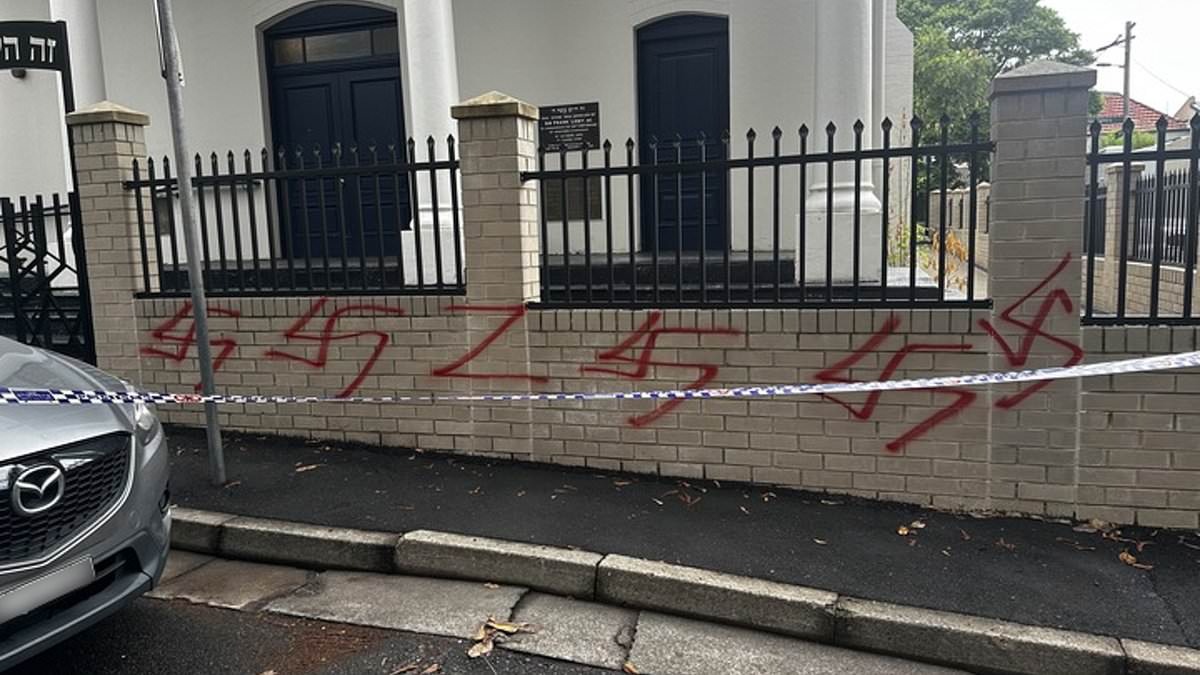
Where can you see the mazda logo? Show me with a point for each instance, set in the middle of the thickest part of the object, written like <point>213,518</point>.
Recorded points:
<point>37,488</point>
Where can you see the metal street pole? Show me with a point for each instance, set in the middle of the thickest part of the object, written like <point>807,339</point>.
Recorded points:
<point>173,73</point>
<point>1125,93</point>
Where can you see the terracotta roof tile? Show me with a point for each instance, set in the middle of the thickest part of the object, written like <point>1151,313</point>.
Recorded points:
<point>1144,117</point>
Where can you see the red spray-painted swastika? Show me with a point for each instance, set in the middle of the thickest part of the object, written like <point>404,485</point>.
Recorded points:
<point>644,359</point>
<point>326,337</point>
<point>515,313</point>
<point>963,397</point>
<point>165,332</point>
<point>1033,331</point>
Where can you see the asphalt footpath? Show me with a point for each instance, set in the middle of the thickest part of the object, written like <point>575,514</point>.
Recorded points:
<point>1061,575</point>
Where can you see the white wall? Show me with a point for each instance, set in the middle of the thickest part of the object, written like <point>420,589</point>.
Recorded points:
<point>32,133</point>
<point>898,105</point>
<point>542,51</point>
<point>569,51</point>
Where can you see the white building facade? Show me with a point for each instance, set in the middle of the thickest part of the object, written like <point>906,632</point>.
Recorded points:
<point>302,73</point>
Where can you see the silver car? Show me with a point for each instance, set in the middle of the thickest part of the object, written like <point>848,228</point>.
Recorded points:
<point>84,507</point>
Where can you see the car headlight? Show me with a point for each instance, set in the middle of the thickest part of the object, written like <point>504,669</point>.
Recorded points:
<point>146,424</point>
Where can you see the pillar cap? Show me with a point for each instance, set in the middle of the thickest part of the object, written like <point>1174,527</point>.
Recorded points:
<point>107,111</point>
<point>1041,75</point>
<point>493,104</point>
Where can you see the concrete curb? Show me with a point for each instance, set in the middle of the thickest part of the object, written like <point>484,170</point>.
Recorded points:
<point>197,531</point>
<point>957,640</point>
<point>303,545</point>
<point>972,642</point>
<point>769,605</point>
<point>544,568</point>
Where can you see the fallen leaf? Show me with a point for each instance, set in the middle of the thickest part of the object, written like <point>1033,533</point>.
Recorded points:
<point>946,553</point>
<point>432,668</point>
<point>406,669</point>
<point>768,496</point>
<point>1129,559</point>
<point>629,668</point>
<point>480,649</point>
<point>830,502</point>
<point>509,628</point>
<point>306,467</point>
<point>903,530</point>
<point>917,525</point>
<point>656,500</point>
<point>963,533</point>
<point>491,585</point>
<point>744,510</point>
<point>1005,545</point>
<point>232,483</point>
<point>480,633</point>
<point>820,542</point>
<point>717,484</point>
<point>521,493</point>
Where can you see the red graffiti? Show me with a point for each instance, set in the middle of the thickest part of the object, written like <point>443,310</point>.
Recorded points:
<point>964,397</point>
<point>326,337</point>
<point>165,332</point>
<point>644,360</point>
<point>1017,358</point>
<point>515,313</point>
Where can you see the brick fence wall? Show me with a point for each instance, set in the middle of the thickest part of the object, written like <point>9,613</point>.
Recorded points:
<point>1139,455</point>
<point>1025,448</point>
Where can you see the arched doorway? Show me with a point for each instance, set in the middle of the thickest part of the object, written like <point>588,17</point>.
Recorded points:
<point>683,88</point>
<point>334,79</point>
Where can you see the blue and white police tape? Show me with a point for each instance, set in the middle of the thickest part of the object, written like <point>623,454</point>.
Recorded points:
<point>16,396</point>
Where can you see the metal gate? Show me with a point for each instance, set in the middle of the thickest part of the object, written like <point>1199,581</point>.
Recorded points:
<point>43,276</point>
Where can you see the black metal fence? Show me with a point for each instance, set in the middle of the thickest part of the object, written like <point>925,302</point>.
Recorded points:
<point>706,221</point>
<point>308,220</point>
<point>1172,227</point>
<point>1094,223</point>
<point>1157,227</point>
<point>43,276</point>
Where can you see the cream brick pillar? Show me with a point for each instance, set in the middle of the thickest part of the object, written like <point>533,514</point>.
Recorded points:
<point>496,136</point>
<point>1114,178</point>
<point>1039,121</point>
<point>108,138</point>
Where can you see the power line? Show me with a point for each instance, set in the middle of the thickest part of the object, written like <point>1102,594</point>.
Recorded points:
<point>1151,73</point>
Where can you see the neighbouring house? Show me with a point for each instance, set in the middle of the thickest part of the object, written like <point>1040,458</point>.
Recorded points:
<point>1145,118</point>
<point>306,75</point>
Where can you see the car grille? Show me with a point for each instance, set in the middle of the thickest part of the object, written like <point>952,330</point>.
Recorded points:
<point>96,471</point>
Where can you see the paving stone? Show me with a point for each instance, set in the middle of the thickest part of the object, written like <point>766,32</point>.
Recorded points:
<point>574,630</point>
<point>232,584</point>
<point>435,606</point>
<point>668,645</point>
<point>180,562</point>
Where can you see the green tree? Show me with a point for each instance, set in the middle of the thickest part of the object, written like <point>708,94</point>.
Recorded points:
<point>948,80</point>
<point>960,45</point>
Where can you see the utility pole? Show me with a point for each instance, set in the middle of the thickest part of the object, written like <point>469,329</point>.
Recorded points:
<point>173,74</point>
<point>1124,40</point>
<point>1125,92</point>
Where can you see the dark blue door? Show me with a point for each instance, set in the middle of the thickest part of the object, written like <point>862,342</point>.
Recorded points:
<point>336,99</point>
<point>683,93</point>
